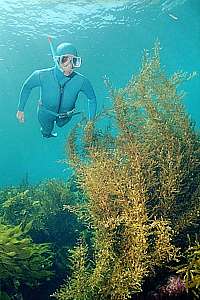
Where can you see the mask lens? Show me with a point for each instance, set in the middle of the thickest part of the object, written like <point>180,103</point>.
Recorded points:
<point>76,61</point>
<point>65,59</point>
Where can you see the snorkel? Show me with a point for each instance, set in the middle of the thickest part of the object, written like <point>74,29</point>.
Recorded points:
<point>53,54</point>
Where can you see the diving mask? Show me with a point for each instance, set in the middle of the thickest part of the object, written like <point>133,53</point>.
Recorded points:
<point>68,58</point>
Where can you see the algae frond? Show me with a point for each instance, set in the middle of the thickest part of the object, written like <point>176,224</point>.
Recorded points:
<point>142,184</point>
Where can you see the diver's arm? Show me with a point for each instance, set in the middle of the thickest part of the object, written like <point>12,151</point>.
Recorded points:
<point>32,81</point>
<point>88,90</point>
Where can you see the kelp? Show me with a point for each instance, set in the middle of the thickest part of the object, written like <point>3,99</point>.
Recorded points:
<point>21,205</point>
<point>21,259</point>
<point>37,212</point>
<point>4,296</point>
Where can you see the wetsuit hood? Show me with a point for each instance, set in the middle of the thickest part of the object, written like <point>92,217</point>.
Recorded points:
<point>66,48</point>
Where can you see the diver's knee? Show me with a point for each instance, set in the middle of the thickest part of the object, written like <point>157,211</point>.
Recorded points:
<point>59,124</point>
<point>62,122</point>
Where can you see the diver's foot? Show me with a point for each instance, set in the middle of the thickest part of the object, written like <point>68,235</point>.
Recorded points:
<point>50,135</point>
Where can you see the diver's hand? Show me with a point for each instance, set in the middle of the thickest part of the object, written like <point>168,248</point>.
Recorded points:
<point>20,116</point>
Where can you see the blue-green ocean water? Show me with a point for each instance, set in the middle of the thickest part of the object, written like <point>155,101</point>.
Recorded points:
<point>110,37</point>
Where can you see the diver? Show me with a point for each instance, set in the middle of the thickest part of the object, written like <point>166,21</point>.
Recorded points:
<point>59,90</point>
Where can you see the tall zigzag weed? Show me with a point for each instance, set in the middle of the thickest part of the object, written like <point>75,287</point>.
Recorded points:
<point>139,183</point>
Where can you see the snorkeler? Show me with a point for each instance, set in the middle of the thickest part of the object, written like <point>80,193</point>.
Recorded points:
<point>59,90</point>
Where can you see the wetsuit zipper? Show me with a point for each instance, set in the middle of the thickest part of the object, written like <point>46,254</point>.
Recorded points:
<point>61,96</point>
<point>62,92</point>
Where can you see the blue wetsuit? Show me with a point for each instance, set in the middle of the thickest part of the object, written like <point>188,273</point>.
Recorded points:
<point>58,95</point>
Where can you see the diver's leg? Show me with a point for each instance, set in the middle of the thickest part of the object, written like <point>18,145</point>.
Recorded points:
<point>47,123</point>
<point>60,122</point>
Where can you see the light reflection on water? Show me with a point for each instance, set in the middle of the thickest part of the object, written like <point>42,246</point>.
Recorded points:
<point>20,17</point>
